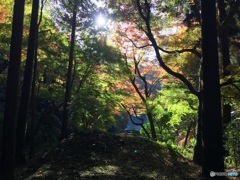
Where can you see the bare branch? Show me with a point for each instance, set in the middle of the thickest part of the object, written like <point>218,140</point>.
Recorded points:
<point>229,82</point>
<point>156,48</point>
<point>194,51</point>
<point>134,123</point>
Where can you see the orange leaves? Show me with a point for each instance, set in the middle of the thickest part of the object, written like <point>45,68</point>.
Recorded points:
<point>127,36</point>
<point>4,12</point>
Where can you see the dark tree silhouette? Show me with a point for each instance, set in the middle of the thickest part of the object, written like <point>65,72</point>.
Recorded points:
<point>145,95</point>
<point>26,87</point>
<point>31,128</point>
<point>224,44</point>
<point>210,93</point>
<point>69,76</point>
<point>11,106</point>
<point>144,10</point>
<point>198,148</point>
<point>211,99</point>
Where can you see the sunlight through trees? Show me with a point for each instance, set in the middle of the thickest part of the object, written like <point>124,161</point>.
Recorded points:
<point>166,71</point>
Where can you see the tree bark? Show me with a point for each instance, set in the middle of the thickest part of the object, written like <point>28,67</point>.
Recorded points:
<point>152,126</point>
<point>69,77</point>
<point>11,106</point>
<point>211,99</point>
<point>32,127</point>
<point>224,44</point>
<point>188,135</point>
<point>198,148</point>
<point>26,88</point>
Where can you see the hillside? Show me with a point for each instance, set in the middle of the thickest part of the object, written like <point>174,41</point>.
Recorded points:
<point>99,155</point>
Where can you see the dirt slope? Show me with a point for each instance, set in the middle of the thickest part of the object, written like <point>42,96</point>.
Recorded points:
<point>99,155</point>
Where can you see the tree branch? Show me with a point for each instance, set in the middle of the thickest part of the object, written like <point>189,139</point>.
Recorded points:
<point>136,124</point>
<point>156,48</point>
<point>229,82</point>
<point>232,12</point>
<point>194,51</point>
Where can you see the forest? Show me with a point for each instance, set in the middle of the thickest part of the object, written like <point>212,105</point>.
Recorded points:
<point>119,89</point>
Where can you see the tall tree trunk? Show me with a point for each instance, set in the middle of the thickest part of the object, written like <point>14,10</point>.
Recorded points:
<point>224,44</point>
<point>69,77</point>
<point>212,120</point>
<point>31,129</point>
<point>26,88</point>
<point>11,106</point>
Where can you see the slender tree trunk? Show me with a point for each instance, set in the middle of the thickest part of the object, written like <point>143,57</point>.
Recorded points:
<point>26,88</point>
<point>11,106</point>
<point>224,44</point>
<point>212,120</point>
<point>198,148</point>
<point>69,78</point>
<point>188,133</point>
<point>152,126</point>
<point>31,129</point>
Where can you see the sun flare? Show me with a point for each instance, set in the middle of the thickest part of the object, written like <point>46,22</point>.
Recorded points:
<point>101,20</point>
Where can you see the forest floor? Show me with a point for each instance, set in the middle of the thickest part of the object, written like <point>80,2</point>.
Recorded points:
<point>100,155</point>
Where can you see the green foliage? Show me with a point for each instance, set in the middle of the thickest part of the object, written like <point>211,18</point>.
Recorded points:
<point>188,151</point>
<point>93,107</point>
<point>176,101</point>
<point>94,101</point>
<point>62,15</point>
<point>231,89</point>
<point>232,143</point>
<point>173,109</point>
<point>5,28</point>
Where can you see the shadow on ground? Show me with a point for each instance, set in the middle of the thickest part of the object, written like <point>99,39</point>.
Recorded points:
<point>99,155</point>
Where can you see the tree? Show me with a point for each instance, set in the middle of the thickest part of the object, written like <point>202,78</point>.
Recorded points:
<point>144,12</point>
<point>149,22</point>
<point>11,106</point>
<point>31,129</point>
<point>69,75</point>
<point>142,75</point>
<point>224,44</point>
<point>225,56</point>
<point>141,78</point>
<point>80,18</point>
<point>26,87</point>
<point>211,99</point>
